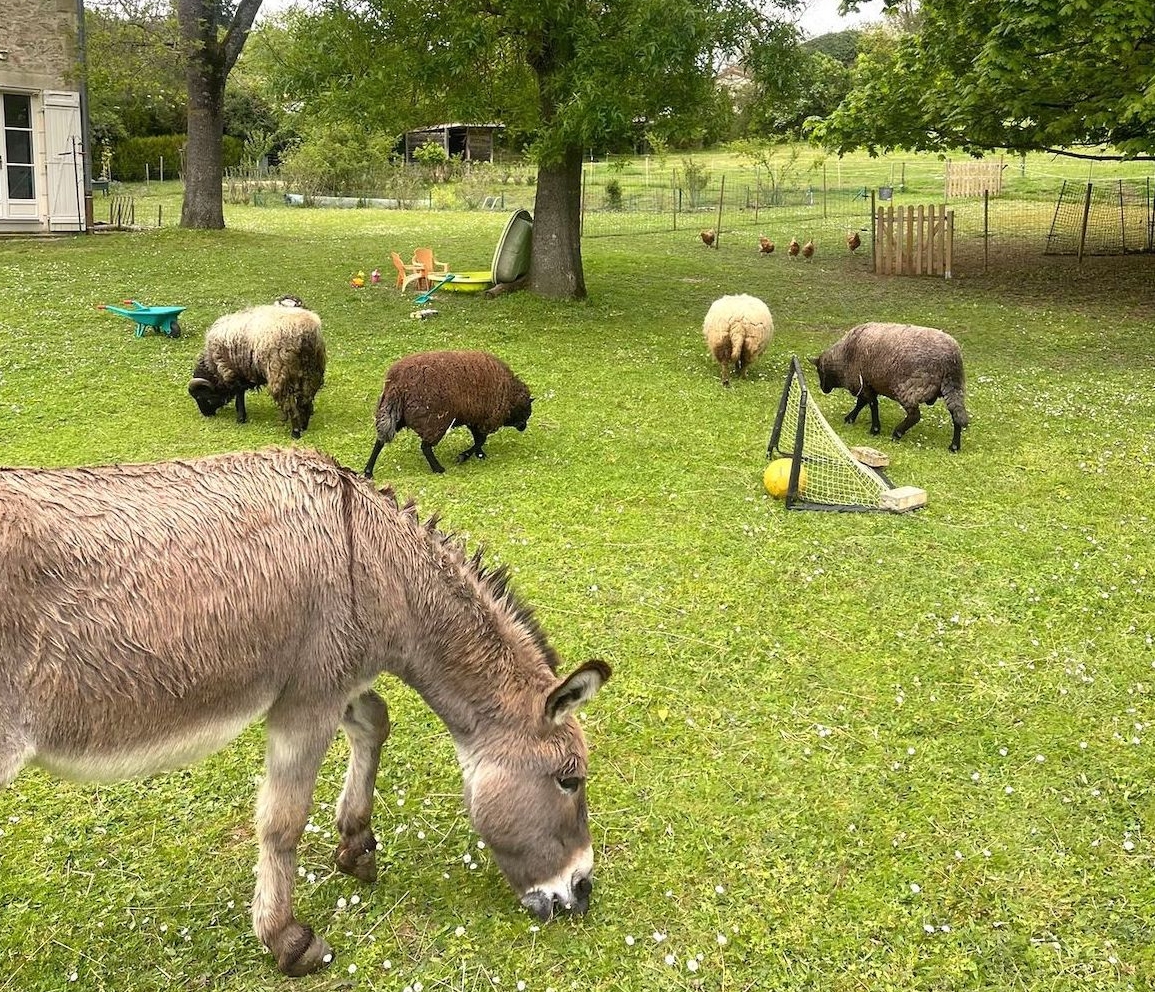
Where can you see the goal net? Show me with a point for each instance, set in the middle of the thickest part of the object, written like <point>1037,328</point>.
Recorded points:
<point>824,475</point>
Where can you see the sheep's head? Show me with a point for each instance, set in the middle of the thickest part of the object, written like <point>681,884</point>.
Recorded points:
<point>210,396</point>
<point>829,378</point>
<point>519,413</point>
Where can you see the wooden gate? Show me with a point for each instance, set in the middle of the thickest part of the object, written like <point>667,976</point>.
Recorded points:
<point>913,241</point>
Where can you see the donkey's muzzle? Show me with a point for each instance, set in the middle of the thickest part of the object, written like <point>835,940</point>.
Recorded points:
<point>545,906</point>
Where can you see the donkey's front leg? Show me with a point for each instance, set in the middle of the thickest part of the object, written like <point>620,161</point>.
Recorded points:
<point>296,745</point>
<point>366,724</point>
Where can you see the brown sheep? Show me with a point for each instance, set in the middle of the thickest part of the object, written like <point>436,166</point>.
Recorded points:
<point>908,363</point>
<point>432,391</point>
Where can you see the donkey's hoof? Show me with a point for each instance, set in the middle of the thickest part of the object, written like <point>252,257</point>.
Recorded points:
<point>358,859</point>
<point>303,953</point>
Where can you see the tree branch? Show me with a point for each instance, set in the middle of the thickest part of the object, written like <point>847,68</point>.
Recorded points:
<point>238,32</point>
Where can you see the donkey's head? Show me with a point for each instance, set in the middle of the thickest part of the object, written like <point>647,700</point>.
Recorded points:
<point>526,796</point>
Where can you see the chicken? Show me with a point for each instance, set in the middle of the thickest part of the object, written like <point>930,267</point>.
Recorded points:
<point>853,241</point>
<point>793,249</point>
<point>808,250</point>
<point>765,245</point>
<point>708,238</point>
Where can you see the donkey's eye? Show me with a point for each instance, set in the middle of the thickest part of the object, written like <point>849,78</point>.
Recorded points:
<point>569,784</point>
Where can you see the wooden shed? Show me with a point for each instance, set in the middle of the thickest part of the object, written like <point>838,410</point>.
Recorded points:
<point>470,142</point>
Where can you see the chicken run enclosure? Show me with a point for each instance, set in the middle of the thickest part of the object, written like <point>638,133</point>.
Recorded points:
<point>997,221</point>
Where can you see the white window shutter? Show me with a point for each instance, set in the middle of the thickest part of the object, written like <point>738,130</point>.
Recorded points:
<point>64,153</point>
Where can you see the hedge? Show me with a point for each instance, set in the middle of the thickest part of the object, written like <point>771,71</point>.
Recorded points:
<point>130,156</point>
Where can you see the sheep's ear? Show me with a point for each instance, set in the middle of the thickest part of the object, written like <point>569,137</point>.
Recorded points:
<point>814,362</point>
<point>580,687</point>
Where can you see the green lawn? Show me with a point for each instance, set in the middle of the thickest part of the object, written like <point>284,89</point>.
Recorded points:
<point>839,751</point>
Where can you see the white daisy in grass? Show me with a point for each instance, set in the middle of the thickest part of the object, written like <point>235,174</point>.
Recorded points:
<point>629,940</point>
<point>915,888</point>
<point>722,941</point>
<point>386,964</point>
<point>692,964</point>
<point>671,960</point>
<point>352,969</point>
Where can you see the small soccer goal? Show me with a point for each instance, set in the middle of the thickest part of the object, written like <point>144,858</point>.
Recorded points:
<point>824,473</point>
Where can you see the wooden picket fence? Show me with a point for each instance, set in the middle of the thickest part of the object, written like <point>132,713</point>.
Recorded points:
<point>963,179</point>
<point>914,241</point>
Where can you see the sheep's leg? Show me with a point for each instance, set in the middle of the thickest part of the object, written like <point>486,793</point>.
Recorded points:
<point>956,441</point>
<point>377,446</point>
<point>297,742</point>
<point>725,366</point>
<point>913,416</point>
<point>478,440</point>
<point>366,724</point>
<point>427,451</point>
<point>861,402</point>
<point>242,415</point>
<point>875,424</point>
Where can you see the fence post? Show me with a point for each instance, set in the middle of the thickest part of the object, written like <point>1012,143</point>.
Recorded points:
<point>873,233</point>
<point>582,215</point>
<point>949,259</point>
<point>718,226</point>
<point>824,191</point>
<point>1086,217</point>
<point>986,228</point>
<point>1122,220</point>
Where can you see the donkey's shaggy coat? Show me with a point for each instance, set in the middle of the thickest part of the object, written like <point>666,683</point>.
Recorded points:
<point>149,613</point>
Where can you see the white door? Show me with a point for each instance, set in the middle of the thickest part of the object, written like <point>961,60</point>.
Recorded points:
<point>64,154</point>
<point>18,193</point>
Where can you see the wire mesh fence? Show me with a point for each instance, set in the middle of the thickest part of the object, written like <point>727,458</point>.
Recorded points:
<point>1034,215</point>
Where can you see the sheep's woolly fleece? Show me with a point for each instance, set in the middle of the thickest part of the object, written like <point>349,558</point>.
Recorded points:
<point>737,330</point>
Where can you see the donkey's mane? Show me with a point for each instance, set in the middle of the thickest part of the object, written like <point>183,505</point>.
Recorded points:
<point>494,582</point>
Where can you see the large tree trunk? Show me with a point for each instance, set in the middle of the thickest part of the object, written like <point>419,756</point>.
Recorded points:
<point>555,268</point>
<point>210,50</point>
<point>204,155</point>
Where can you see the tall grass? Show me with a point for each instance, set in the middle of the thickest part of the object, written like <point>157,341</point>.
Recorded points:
<point>839,752</point>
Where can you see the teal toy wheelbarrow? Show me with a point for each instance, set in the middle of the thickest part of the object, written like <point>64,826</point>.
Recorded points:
<point>163,320</point>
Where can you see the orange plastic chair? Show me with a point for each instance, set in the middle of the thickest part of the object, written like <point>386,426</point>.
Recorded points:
<point>407,274</point>
<point>430,267</point>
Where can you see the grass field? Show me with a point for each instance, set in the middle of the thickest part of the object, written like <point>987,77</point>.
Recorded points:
<point>839,751</point>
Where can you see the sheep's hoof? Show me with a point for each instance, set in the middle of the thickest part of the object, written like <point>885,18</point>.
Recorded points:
<point>296,433</point>
<point>954,448</point>
<point>849,419</point>
<point>878,430</point>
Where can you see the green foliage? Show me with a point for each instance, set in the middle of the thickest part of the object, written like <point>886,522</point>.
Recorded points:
<point>339,160</point>
<point>980,76</point>
<point>693,180</point>
<point>839,45</point>
<point>128,158</point>
<point>614,195</point>
<point>811,715</point>
<point>135,80</point>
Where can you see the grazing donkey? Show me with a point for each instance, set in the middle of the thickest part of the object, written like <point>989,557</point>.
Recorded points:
<point>149,613</point>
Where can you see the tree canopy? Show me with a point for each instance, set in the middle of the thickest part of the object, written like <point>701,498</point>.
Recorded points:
<point>568,74</point>
<point>1022,75</point>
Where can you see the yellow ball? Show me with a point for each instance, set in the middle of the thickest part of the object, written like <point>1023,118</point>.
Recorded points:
<point>776,478</point>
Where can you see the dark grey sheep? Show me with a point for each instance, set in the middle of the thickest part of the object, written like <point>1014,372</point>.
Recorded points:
<point>433,391</point>
<point>908,363</point>
<point>279,345</point>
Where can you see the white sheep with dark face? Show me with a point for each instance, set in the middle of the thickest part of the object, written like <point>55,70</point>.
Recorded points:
<point>737,330</point>
<point>278,345</point>
<point>908,363</point>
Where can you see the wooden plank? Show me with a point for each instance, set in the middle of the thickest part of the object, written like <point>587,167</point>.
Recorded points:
<point>902,499</point>
<point>921,252</point>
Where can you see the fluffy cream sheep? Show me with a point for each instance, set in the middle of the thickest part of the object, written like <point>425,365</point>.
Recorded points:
<point>737,330</point>
<point>278,345</point>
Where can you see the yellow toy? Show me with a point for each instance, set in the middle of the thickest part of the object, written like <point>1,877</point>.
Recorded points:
<point>776,478</point>
<point>358,280</point>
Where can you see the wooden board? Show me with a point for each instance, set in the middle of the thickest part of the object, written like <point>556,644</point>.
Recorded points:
<point>903,498</point>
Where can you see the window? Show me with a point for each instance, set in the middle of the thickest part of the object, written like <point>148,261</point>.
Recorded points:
<point>17,119</point>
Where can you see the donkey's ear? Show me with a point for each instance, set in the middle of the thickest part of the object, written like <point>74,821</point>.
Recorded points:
<point>579,688</point>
